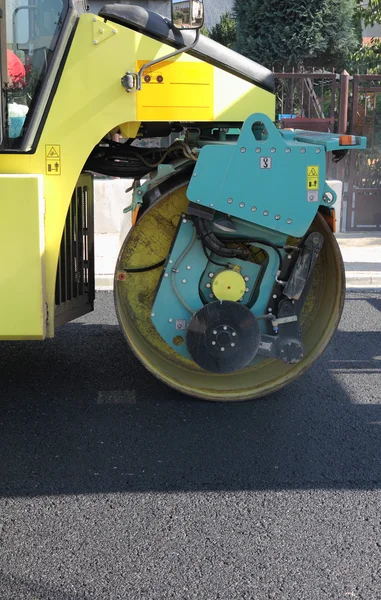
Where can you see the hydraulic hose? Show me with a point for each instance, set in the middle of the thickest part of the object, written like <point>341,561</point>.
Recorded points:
<point>215,245</point>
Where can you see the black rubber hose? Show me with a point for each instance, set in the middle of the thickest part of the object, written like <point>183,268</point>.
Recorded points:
<point>264,243</point>
<point>145,269</point>
<point>215,245</point>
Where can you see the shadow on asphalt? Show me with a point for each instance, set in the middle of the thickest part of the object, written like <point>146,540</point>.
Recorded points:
<point>80,415</point>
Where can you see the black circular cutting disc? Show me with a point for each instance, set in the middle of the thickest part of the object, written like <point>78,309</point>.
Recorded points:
<point>223,337</point>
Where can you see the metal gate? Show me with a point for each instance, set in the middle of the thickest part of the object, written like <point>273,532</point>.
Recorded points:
<point>324,101</point>
<point>363,195</point>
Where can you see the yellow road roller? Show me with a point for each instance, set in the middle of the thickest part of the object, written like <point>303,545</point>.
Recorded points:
<point>230,283</point>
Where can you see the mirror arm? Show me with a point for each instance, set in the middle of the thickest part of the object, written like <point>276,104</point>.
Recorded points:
<point>137,78</point>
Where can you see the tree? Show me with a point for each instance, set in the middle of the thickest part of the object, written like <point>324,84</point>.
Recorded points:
<point>307,33</point>
<point>225,32</point>
<point>369,11</point>
<point>367,59</point>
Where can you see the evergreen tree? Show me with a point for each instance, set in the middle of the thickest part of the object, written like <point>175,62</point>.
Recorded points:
<point>295,34</point>
<point>225,31</point>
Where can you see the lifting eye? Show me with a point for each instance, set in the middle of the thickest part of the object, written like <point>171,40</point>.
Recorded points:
<point>260,132</point>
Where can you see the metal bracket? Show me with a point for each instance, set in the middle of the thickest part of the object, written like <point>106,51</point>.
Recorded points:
<point>102,31</point>
<point>133,82</point>
<point>163,172</point>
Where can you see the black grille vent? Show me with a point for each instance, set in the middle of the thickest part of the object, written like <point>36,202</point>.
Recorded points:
<point>75,272</point>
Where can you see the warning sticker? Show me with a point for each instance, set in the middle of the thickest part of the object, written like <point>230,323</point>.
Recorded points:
<point>53,167</point>
<point>266,162</point>
<point>52,152</point>
<point>312,177</point>
<point>53,159</point>
<point>313,196</point>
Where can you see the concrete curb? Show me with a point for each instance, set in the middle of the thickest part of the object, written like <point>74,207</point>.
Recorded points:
<point>363,279</point>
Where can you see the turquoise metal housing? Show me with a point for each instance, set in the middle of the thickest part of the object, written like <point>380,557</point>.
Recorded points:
<point>270,177</point>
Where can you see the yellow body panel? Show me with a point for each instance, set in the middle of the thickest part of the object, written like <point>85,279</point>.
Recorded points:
<point>22,251</point>
<point>184,88</point>
<point>89,102</point>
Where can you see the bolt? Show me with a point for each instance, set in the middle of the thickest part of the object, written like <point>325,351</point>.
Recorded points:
<point>303,150</point>
<point>211,205</point>
<point>94,20</point>
<point>208,285</point>
<point>95,42</point>
<point>198,200</point>
<point>211,295</point>
<point>225,328</point>
<point>243,150</point>
<point>139,192</point>
<point>230,200</point>
<point>234,334</point>
<point>242,205</point>
<point>257,150</point>
<point>211,275</point>
<point>171,262</point>
<point>170,320</point>
<point>277,217</point>
<point>183,281</point>
<point>247,290</point>
<point>317,150</point>
<point>166,275</point>
<point>270,310</point>
<point>214,332</point>
<point>222,349</point>
<point>184,220</point>
<point>253,209</point>
<point>289,221</point>
<point>189,268</point>
<point>275,296</point>
<point>315,240</point>
<point>265,213</point>
<point>213,343</point>
<point>232,344</point>
<point>273,150</point>
<point>289,256</point>
<point>152,314</point>
<point>101,30</point>
<point>194,174</point>
<point>288,150</point>
<point>114,30</point>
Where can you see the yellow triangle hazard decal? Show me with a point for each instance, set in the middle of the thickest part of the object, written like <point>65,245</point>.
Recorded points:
<point>313,172</point>
<point>53,153</point>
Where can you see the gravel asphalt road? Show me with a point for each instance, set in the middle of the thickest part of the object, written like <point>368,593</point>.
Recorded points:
<point>113,486</point>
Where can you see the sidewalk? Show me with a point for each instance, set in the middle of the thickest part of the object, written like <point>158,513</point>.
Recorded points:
<point>361,254</point>
<point>362,258</point>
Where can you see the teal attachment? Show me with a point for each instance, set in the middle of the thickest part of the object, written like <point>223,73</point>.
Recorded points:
<point>162,172</point>
<point>271,178</point>
<point>186,281</point>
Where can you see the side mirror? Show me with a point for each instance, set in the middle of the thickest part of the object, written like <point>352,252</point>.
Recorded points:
<point>188,14</point>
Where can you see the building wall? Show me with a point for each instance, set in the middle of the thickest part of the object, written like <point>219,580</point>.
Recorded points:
<point>213,8</point>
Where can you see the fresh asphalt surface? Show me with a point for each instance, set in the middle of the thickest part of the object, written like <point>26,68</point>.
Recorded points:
<point>114,486</point>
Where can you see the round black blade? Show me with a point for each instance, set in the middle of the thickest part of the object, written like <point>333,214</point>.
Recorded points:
<point>223,337</point>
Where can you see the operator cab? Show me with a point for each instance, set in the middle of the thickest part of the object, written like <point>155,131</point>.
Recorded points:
<point>29,33</point>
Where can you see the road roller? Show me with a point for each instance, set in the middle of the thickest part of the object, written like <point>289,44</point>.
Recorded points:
<point>229,283</point>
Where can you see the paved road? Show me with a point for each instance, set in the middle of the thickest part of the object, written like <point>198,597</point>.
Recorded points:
<point>114,486</point>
